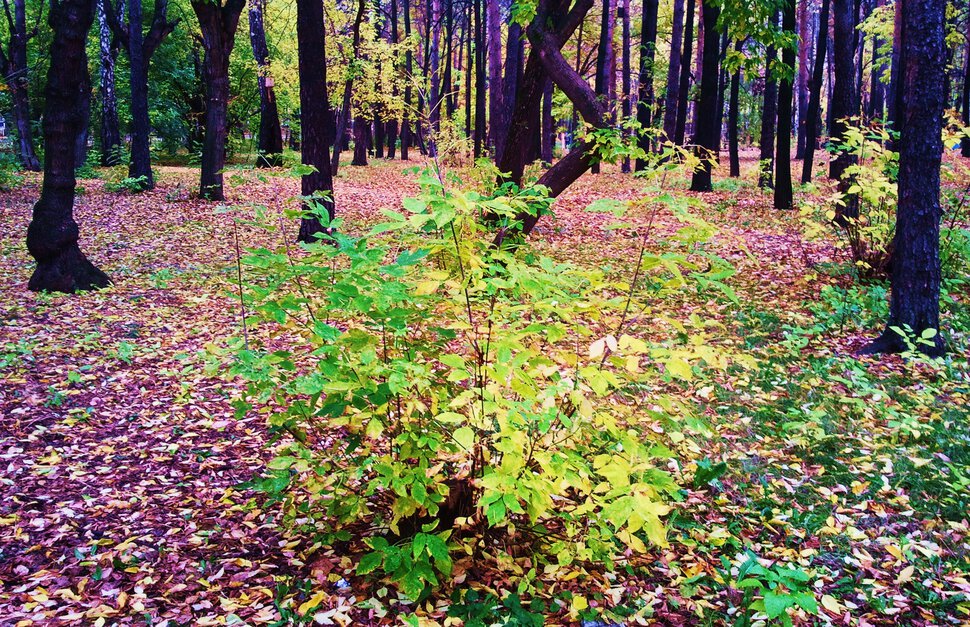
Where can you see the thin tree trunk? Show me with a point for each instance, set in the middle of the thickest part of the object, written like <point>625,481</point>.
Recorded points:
<point>673,71</point>
<point>804,31</point>
<point>392,124</point>
<point>783,180</point>
<point>708,118</point>
<point>626,109</point>
<point>548,126</point>
<point>218,24</point>
<point>480,74</point>
<point>733,105</point>
<point>769,118</point>
<point>434,67</point>
<point>916,275</point>
<point>815,94</point>
<point>604,61</point>
<point>845,103</point>
<point>408,69</point>
<point>13,66</point>
<point>343,118</point>
<point>469,71</point>
<point>269,144</point>
<point>648,47</point>
<point>683,89</point>
<point>496,104</point>
<point>315,116</point>
<point>52,237</point>
<point>111,145</point>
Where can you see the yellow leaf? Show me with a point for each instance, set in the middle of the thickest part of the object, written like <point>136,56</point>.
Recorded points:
<point>426,287</point>
<point>831,604</point>
<point>313,602</point>
<point>578,604</point>
<point>906,574</point>
<point>679,368</point>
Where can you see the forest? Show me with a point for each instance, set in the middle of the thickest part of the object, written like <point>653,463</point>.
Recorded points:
<point>485,312</point>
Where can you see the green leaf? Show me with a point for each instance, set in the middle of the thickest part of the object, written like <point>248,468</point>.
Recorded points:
<point>369,563</point>
<point>776,604</point>
<point>465,437</point>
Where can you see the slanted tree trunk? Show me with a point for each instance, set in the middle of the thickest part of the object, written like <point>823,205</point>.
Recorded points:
<point>52,237</point>
<point>343,118</point>
<point>269,144</point>
<point>315,115</point>
<point>804,31</point>
<point>815,94</point>
<point>13,66</point>
<point>218,24</point>
<point>769,117</point>
<point>673,71</point>
<point>916,274</point>
<point>733,106</point>
<point>708,118</point>
<point>783,183</point>
<point>648,47</point>
<point>683,89</point>
<point>845,103</point>
<point>111,145</point>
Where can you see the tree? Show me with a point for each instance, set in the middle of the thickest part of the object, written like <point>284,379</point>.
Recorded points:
<point>497,126</point>
<point>626,109</point>
<point>965,142</point>
<point>769,116</point>
<point>13,66</point>
<point>683,88</point>
<point>804,29</point>
<point>844,104</point>
<point>604,61</point>
<point>673,71</point>
<point>52,237</point>
<point>648,46</point>
<point>815,94</point>
<point>269,143</point>
<point>110,129</point>
<point>733,106</point>
<point>140,48</point>
<point>707,134</point>
<point>783,182</point>
<point>317,186</point>
<point>345,106</point>
<point>916,274</point>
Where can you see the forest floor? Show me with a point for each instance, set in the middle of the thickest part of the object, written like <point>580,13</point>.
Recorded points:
<point>122,464</point>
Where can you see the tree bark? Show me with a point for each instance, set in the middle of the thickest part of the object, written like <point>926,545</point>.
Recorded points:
<point>52,237</point>
<point>604,61</point>
<point>496,105</point>
<point>480,74</point>
<point>673,71</point>
<point>548,125</point>
<point>316,187</point>
<point>13,66</point>
<point>408,69</point>
<point>626,108</point>
<point>783,181</point>
<point>815,94</point>
<point>434,68</point>
<point>916,274</point>
<point>769,117</point>
<point>733,105</point>
<point>269,145</point>
<point>648,47</point>
<point>111,145</point>
<point>965,142</point>
<point>218,24</point>
<point>683,89</point>
<point>845,101</point>
<point>804,30</point>
<point>343,118</point>
<point>708,118</point>
<point>392,124</point>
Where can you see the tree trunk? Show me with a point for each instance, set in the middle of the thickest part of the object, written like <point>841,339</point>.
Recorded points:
<point>434,68</point>
<point>469,71</point>
<point>916,274</point>
<point>683,89</point>
<point>269,145</point>
<point>408,68</point>
<point>804,30</point>
<point>673,71</point>
<point>965,142</point>
<point>81,141</point>
<point>496,106</point>
<point>648,47</point>
<point>111,145</point>
<point>626,109</point>
<point>315,116</point>
<point>480,89</point>
<point>708,118</point>
<point>361,140</point>
<point>514,51</point>
<point>733,105</point>
<point>769,118</point>
<point>815,94</point>
<point>218,24</point>
<point>447,93</point>
<point>845,103</point>
<point>343,118</point>
<point>783,182</point>
<point>392,124</point>
<point>13,66</point>
<point>52,237</point>
<point>604,61</point>
<point>548,125</point>
<point>140,165</point>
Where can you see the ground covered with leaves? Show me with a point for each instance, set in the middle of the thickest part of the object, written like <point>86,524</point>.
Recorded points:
<point>834,488</point>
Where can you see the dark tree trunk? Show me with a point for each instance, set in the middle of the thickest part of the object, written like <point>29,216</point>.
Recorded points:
<point>804,31</point>
<point>52,237</point>
<point>648,47</point>
<point>447,93</point>
<point>683,90</point>
<point>434,68</point>
<point>722,82</point>
<point>893,96</point>
<point>469,71</point>
<point>269,145</point>
<point>965,142</point>
<point>548,126</point>
<point>708,118</point>
<point>361,140</point>
<point>315,115</point>
<point>496,105</point>
<point>783,181</point>
<point>13,66</point>
<point>343,118</point>
<point>81,141</point>
<point>111,146</point>
<point>877,90</point>
<point>815,94</point>
<point>769,118</point>
<point>513,73</point>
<point>626,108</point>
<point>140,48</point>
<point>916,274</point>
<point>218,24</point>
<point>673,71</point>
<point>604,61</point>
<point>845,103</point>
<point>733,105</point>
<point>392,125</point>
<point>480,74</point>
<point>408,69</point>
